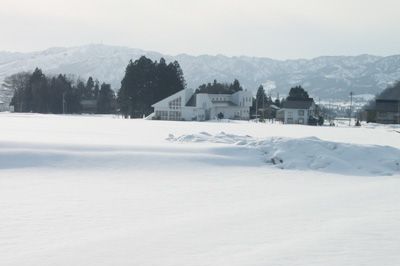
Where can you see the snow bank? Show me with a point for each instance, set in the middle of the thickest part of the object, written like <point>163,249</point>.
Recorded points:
<point>311,153</point>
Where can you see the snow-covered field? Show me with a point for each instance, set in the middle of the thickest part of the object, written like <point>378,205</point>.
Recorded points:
<point>93,190</point>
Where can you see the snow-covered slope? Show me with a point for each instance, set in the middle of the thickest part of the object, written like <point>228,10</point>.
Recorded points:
<point>325,77</point>
<point>103,191</point>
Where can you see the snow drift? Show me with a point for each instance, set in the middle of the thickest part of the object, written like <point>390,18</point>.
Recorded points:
<point>311,153</point>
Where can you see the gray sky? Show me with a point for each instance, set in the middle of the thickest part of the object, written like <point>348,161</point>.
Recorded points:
<point>272,28</point>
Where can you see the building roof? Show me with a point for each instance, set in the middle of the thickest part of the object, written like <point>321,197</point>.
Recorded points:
<point>171,97</point>
<point>192,101</point>
<point>273,106</point>
<point>88,103</point>
<point>298,104</point>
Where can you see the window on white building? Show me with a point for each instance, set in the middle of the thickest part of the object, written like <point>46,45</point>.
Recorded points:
<point>163,115</point>
<point>175,104</point>
<point>174,115</point>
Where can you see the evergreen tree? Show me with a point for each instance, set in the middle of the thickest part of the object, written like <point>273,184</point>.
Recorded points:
<point>96,89</point>
<point>58,86</point>
<point>390,93</point>
<point>146,82</point>
<point>261,97</point>
<point>81,89</point>
<point>235,86</point>
<point>105,102</point>
<point>179,78</point>
<point>298,93</point>
<point>38,92</point>
<point>277,102</point>
<point>89,89</point>
<point>262,102</point>
<point>73,100</point>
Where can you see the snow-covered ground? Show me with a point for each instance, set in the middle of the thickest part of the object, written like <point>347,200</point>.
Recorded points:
<point>98,190</point>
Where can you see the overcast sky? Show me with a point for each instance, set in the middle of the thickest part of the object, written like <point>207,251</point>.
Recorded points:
<point>278,29</point>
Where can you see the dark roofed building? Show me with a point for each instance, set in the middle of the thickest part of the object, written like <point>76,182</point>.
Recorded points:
<point>298,104</point>
<point>297,111</point>
<point>387,111</point>
<point>89,106</point>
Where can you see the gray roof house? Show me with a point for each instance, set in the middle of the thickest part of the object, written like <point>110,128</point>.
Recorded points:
<point>296,111</point>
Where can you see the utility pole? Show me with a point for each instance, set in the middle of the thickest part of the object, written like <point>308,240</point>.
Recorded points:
<point>351,106</point>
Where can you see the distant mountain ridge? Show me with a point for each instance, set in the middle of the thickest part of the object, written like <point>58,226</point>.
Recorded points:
<point>326,77</point>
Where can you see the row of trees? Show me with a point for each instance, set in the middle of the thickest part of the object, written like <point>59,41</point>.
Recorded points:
<point>36,92</point>
<point>220,88</point>
<point>145,82</point>
<point>263,105</point>
<point>262,99</point>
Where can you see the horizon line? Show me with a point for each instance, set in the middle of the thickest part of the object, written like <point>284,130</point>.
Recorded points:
<point>188,54</point>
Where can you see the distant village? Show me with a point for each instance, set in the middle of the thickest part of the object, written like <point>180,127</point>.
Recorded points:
<point>157,91</point>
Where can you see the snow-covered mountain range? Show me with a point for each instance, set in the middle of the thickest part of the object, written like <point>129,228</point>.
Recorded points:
<point>328,77</point>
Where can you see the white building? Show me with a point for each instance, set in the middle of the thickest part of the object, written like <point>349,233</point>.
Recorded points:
<point>297,111</point>
<point>186,105</point>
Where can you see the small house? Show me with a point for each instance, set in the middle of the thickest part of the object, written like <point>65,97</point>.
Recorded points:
<point>297,111</point>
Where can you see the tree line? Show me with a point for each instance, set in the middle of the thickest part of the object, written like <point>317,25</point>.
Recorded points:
<point>220,88</point>
<point>38,93</point>
<point>145,82</point>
